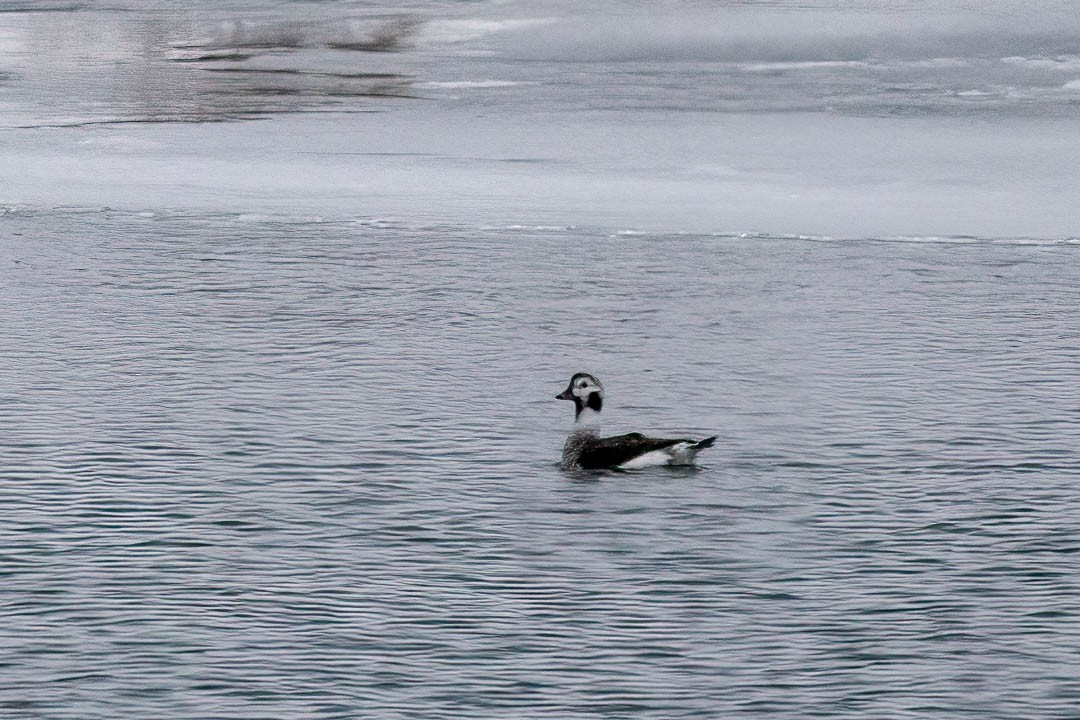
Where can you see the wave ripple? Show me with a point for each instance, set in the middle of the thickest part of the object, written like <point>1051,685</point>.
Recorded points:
<point>259,467</point>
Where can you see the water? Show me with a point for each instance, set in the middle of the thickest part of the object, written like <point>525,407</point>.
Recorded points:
<point>279,429</point>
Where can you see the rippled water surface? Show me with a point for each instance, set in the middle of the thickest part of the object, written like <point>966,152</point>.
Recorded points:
<point>257,467</point>
<point>287,289</point>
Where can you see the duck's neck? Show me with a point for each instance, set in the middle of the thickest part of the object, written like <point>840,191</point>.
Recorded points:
<point>587,417</point>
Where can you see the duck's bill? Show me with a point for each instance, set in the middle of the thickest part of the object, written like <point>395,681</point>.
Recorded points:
<point>564,395</point>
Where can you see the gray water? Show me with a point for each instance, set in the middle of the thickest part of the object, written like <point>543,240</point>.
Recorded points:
<point>256,469</point>
<point>287,290</point>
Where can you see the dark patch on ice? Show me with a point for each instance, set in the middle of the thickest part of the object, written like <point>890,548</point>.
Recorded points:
<point>228,74</point>
<point>385,35</point>
<point>39,7</point>
<point>391,36</point>
<point>528,161</point>
<point>209,55</point>
<point>306,73</point>
<point>195,117</point>
<point>376,154</point>
<point>177,73</point>
<point>293,82</point>
<point>149,120</point>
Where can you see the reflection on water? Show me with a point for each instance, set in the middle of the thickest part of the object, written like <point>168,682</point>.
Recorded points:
<point>174,66</point>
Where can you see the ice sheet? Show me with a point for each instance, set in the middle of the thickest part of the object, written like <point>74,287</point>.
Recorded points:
<point>882,120</point>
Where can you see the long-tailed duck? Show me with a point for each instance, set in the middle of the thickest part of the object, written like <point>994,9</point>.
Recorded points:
<point>585,449</point>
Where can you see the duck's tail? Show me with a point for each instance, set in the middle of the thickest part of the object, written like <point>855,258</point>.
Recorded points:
<point>706,443</point>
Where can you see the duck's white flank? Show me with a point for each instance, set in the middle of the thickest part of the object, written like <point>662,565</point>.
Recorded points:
<point>681,454</point>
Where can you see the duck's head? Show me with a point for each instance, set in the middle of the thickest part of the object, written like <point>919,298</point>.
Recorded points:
<point>586,392</point>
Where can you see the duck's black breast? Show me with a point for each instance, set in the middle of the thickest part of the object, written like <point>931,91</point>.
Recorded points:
<point>613,451</point>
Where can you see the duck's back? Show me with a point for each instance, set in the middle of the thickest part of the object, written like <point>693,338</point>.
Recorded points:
<point>586,450</point>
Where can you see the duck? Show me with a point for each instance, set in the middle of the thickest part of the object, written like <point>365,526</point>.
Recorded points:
<point>587,450</point>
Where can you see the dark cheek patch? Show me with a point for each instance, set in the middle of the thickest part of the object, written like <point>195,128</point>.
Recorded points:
<point>595,401</point>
